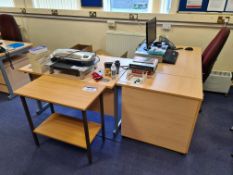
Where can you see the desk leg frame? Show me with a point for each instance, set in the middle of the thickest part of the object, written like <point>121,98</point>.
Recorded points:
<point>7,81</point>
<point>231,129</point>
<point>102,116</point>
<point>40,107</point>
<point>29,118</point>
<point>116,114</point>
<point>86,130</point>
<point>51,108</point>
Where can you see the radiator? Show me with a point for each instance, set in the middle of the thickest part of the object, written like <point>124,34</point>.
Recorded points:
<point>218,81</point>
<point>117,42</point>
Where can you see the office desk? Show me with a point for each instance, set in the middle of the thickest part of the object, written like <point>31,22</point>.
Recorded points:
<point>188,64</point>
<point>67,93</point>
<point>163,110</point>
<point>110,94</point>
<point>12,53</point>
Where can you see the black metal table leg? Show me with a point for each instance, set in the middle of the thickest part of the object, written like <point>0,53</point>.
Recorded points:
<point>51,108</point>
<point>102,116</point>
<point>116,114</point>
<point>28,115</point>
<point>86,130</point>
<point>40,107</point>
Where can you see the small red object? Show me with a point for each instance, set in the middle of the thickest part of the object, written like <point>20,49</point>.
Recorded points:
<point>96,76</point>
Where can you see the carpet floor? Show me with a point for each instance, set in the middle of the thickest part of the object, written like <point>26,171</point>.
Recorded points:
<point>210,151</point>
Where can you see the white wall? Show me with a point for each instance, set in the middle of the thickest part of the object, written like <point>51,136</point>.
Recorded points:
<point>66,33</point>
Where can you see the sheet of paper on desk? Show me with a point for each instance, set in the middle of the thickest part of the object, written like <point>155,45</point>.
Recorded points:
<point>216,5</point>
<point>90,89</point>
<point>229,7</point>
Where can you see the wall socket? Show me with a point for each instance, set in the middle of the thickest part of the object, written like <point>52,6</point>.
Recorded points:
<point>23,10</point>
<point>133,16</point>
<point>92,14</point>
<point>54,12</point>
<point>223,19</point>
<point>167,26</point>
<point>111,24</point>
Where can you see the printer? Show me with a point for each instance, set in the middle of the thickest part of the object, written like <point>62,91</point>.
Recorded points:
<point>72,61</point>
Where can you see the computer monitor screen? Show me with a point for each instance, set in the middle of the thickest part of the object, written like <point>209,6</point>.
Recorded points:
<point>150,32</point>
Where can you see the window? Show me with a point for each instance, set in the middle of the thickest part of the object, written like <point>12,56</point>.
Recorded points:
<point>9,3</point>
<point>55,4</point>
<point>136,6</point>
<point>165,6</point>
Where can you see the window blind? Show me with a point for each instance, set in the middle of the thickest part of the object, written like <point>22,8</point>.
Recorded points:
<point>129,5</point>
<point>165,6</point>
<point>55,4</point>
<point>8,3</point>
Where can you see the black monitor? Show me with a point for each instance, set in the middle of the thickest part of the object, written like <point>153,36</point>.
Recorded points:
<point>150,32</point>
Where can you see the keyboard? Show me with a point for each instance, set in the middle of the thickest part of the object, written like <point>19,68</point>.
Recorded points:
<point>170,56</point>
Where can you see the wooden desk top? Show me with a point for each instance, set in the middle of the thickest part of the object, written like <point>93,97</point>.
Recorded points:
<point>88,78</point>
<point>169,84</point>
<point>5,43</point>
<point>61,91</point>
<point>188,64</point>
<point>182,79</point>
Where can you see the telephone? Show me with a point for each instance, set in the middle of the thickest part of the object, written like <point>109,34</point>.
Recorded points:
<point>3,50</point>
<point>170,44</point>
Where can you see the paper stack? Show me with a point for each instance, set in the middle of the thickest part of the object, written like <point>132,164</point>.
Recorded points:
<point>38,57</point>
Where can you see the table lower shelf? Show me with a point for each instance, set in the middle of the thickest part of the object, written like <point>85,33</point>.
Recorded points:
<point>66,129</point>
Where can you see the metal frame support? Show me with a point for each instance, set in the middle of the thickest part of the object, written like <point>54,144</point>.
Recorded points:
<point>40,107</point>
<point>51,108</point>
<point>102,116</point>
<point>116,114</point>
<point>231,129</point>
<point>7,81</point>
<point>86,130</point>
<point>29,118</point>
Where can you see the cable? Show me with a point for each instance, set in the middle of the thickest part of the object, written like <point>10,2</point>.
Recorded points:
<point>98,59</point>
<point>8,57</point>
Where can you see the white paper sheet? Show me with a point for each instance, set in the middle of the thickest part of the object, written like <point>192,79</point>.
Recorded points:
<point>216,5</point>
<point>229,7</point>
<point>194,4</point>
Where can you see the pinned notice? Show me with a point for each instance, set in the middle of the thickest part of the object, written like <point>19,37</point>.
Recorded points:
<point>216,5</point>
<point>194,4</point>
<point>229,7</point>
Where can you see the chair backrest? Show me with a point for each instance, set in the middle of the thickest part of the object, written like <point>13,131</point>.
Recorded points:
<point>9,28</point>
<point>211,53</point>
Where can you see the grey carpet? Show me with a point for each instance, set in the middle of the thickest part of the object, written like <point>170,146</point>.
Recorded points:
<point>209,153</point>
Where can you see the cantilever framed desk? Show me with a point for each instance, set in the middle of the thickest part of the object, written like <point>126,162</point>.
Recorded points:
<point>12,53</point>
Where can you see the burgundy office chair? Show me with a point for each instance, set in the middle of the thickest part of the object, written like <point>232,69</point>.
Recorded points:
<point>211,53</point>
<point>9,28</point>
